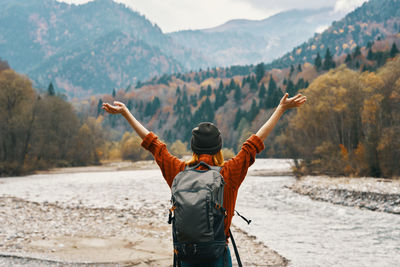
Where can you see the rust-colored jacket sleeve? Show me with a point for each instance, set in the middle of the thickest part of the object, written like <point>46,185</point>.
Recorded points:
<point>170,165</point>
<point>235,170</point>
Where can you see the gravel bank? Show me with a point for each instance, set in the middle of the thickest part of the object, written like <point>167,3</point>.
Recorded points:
<point>367,193</point>
<point>96,219</point>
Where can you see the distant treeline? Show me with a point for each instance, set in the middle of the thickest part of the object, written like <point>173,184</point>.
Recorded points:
<point>349,125</point>
<point>41,131</point>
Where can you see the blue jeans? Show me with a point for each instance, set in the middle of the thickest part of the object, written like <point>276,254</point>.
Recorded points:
<point>217,263</point>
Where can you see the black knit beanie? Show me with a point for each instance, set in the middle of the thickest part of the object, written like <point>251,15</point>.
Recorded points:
<point>206,139</point>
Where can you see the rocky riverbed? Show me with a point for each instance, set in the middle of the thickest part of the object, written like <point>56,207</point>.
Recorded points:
<point>96,219</point>
<point>367,193</point>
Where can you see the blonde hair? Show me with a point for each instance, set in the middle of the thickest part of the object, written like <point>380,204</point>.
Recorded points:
<point>218,159</point>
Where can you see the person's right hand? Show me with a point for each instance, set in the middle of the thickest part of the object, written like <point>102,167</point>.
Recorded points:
<point>118,107</point>
<point>293,102</point>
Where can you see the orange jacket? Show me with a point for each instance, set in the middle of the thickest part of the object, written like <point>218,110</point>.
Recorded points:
<point>234,170</point>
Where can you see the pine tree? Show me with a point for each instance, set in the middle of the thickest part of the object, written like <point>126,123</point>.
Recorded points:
<point>50,90</point>
<point>318,62</point>
<point>271,94</point>
<point>238,117</point>
<point>260,71</point>
<point>197,78</point>
<point>113,93</point>
<point>193,100</point>
<point>328,61</point>
<point>370,55</point>
<point>348,59</point>
<point>394,50</point>
<point>299,69</point>
<point>202,92</point>
<point>238,94</point>
<point>178,91</point>
<point>290,89</point>
<point>221,86</point>
<point>253,84</point>
<point>271,85</point>
<point>99,107</point>
<point>262,92</point>
<point>209,90</point>
<point>254,110</point>
<point>129,105</point>
<point>357,52</point>
<point>232,85</point>
<point>291,70</point>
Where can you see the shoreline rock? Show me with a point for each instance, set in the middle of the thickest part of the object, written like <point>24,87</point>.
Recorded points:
<point>365,193</point>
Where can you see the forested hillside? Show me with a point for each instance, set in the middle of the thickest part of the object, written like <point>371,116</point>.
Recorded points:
<point>237,99</point>
<point>86,49</point>
<point>374,20</point>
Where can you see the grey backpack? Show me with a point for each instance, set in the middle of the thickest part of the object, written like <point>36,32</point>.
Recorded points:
<point>197,215</point>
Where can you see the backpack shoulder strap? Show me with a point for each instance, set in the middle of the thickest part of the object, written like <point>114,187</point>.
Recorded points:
<point>215,168</point>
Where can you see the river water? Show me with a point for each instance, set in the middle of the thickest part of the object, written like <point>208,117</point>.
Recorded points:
<point>306,232</point>
<point>313,233</point>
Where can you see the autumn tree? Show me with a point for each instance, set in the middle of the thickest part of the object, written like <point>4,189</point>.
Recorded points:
<point>131,148</point>
<point>55,129</point>
<point>350,129</point>
<point>17,99</point>
<point>179,149</point>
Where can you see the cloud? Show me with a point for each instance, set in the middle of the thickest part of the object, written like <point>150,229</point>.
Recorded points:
<point>76,2</point>
<point>321,28</point>
<point>346,6</point>
<point>282,5</point>
<point>173,15</point>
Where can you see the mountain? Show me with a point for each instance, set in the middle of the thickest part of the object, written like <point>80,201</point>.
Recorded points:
<point>239,98</point>
<point>240,42</point>
<point>87,48</point>
<point>374,20</point>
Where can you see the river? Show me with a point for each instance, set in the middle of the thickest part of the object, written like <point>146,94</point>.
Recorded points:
<point>306,232</point>
<point>313,233</point>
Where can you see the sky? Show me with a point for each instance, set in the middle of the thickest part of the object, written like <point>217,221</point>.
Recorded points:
<point>175,15</point>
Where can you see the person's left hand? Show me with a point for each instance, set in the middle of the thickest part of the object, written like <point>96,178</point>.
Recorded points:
<point>293,102</point>
<point>118,107</point>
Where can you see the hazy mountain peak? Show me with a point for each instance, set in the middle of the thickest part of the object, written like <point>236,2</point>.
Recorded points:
<point>244,41</point>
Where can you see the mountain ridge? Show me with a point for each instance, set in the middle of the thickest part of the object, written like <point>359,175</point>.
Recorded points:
<point>242,42</point>
<point>372,21</point>
<point>35,34</point>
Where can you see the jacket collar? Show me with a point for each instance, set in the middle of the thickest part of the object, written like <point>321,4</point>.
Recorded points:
<point>207,159</point>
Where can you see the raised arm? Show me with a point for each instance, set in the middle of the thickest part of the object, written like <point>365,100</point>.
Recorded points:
<point>285,104</point>
<point>120,108</point>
